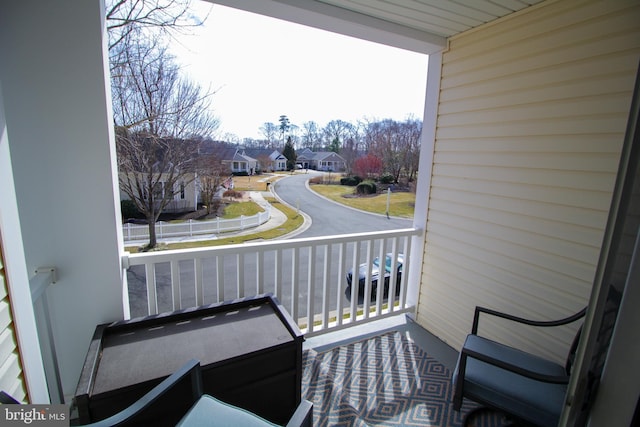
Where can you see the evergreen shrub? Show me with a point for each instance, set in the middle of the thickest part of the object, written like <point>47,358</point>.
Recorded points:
<point>366,187</point>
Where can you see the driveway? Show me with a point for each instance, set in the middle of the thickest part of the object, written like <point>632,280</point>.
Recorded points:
<point>328,217</point>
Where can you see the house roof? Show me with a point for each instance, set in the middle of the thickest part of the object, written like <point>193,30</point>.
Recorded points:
<point>322,155</point>
<point>307,154</point>
<point>240,157</point>
<point>220,150</point>
<point>263,152</point>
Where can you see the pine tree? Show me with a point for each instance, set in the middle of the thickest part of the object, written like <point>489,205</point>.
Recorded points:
<point>290,153</point>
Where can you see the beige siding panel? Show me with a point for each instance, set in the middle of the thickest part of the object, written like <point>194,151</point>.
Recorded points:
<point>552,195</point>
<point>531,120</point>
<point>544,27</point>
<point>590,219</point>
<point>602,86</point>
<point>518,175</point>
<point>532,144</point>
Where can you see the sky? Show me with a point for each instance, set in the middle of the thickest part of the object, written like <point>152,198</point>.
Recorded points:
<point>262,68</point>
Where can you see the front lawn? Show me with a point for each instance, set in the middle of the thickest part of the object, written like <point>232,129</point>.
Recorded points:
<point>401,203</point>
<point>235,210</point>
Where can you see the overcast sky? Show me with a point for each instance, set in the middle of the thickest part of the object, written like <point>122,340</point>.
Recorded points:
<point>262,68</point>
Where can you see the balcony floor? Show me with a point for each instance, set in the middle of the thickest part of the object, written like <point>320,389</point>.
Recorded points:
<point>400,323</point>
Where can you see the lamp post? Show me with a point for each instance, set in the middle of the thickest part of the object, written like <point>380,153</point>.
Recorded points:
<point>388,201</point>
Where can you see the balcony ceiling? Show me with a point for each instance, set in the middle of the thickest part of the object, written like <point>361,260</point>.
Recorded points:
<point>444,18</point>
<point>418,25</point>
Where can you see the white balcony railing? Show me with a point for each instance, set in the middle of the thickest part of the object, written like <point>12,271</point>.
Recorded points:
<point>307,275</point>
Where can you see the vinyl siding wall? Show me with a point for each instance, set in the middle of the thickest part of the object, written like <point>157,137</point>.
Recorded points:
<point>11,378</point>
<point>531,120</point>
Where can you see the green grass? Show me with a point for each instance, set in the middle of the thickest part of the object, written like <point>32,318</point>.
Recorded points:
<point>235,210</point>
<point>254,183</point>
<point>294,220</point>
<point>401,203</point>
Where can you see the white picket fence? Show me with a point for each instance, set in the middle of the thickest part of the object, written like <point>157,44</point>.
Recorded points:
<point>194,227</point>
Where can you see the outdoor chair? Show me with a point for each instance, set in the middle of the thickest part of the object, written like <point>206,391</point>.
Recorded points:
<point>205,410</point>
<point>528,389</point>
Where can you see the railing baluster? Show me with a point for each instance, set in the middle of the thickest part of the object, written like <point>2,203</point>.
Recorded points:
<point>259,274</point>
<point>405,270</point>
<point>341,278</point>
<point>393,278</point>
<point>278,273</point>
<point>294,282</point>
<point>382,272</point>
<point>368,280</point>
<point>152,297</point>
<point>353,312</point>
<point>220,277</point>
<point>240,275</point>
<point>198,279</point>
<point>175,285</point>
<point>325,286</point>
<point>311,286</point>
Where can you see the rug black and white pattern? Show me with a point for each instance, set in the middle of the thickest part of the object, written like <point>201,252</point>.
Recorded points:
<point>382,381</point>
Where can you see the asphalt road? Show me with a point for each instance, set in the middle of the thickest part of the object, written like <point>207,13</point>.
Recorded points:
<point>327,218</point>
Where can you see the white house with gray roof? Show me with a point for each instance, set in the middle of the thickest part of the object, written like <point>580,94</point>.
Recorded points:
<point>320,160</point>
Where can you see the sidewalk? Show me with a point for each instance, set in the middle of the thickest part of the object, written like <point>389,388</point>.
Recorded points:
<point>276,219</point>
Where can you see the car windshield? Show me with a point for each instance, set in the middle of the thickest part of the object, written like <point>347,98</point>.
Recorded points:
<point>387,266</point>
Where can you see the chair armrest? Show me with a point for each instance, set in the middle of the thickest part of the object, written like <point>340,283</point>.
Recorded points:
<point>191,368</point>
<point>303,416</point>
<point>7,399</point>
<point>513,360</point>
<point>566,320</point>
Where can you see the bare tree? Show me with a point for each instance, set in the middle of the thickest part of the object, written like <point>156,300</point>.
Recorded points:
<point>125,17</point>
<point>336,132</point>
<point>150,95</point>
<point>397,144</point>
<point>350,149</point>
<point>411,132</point>
<point>211,174</point>
<point>153,170</point>
<point>311,136</point>
<point>269,131</point>
<point>159,116</point>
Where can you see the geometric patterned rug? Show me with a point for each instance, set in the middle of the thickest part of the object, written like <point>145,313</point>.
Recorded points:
<point>382,381</point>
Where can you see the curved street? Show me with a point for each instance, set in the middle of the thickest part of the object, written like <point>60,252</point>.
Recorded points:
<point>328,217</point>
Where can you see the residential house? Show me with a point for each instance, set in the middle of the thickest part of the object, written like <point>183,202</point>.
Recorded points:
<point>184,195</point>
<point>528,105</point>
<point>268,160</point>
<point>231,155</point>
<point>320,160</point>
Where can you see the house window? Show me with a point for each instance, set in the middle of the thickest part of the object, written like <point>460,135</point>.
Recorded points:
<point>158,190</point>
<point>182,190</point>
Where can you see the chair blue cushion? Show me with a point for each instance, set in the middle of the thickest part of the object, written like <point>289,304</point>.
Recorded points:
<point>538,402</point>
<point>209,411</point>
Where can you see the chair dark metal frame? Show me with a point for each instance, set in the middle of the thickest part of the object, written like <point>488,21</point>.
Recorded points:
<point>478,381</point>
<point>191,372</point>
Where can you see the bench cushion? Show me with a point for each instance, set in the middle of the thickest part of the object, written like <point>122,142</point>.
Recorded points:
<point>209,411</point>
<point>538,402</point>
